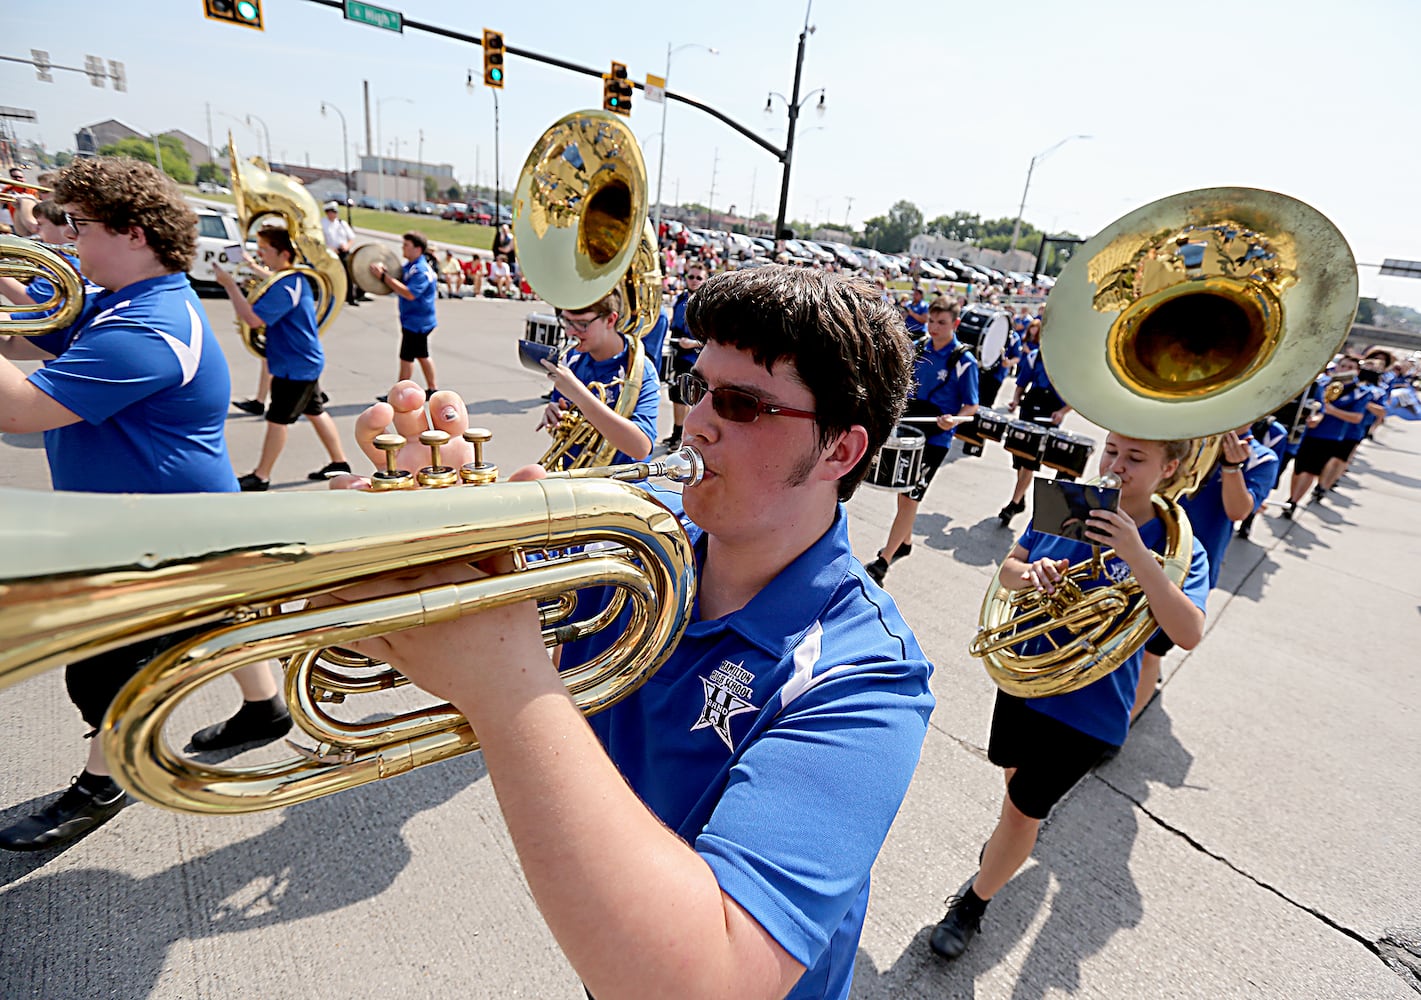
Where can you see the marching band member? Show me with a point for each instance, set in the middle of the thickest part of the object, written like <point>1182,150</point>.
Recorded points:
<point>1045,745</point>
<point>1237,485</point>
<point>293,356</point>
<point>685,349</point>
<point>1271,433</point>
<point>1325,439</point>
<point>1039,404</point>
<point>676,843</point>
<point>417,288</point>
<point>946,388</point>
<point>601,356</point>
<point>1369,380</point>
<point>129,402</point>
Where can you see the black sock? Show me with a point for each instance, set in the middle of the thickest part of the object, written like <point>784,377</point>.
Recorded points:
<point>97,785</point>
<point>676,431</point>
<point>973,905</point>
<point>264,710</point>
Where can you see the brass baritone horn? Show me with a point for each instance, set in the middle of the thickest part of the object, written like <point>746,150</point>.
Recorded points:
<point>87,573</point>
<point>1188,317</point>
<point>23,259</point>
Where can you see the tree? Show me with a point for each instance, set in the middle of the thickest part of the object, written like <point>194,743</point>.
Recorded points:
<point>892,232</point>
<point>175,158</point>
<point>206,171</point>
<point>453,193</point>
<point>1366,311</point>
<point>960,227</point>
<point>431,188</point>
<point>63,158</point>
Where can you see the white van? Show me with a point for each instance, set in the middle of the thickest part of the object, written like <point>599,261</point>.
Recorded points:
<point>215,232</point>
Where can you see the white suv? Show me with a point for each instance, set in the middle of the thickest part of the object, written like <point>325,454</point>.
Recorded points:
<point>216,231</point>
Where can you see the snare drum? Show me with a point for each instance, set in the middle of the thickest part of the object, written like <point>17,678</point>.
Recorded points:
<point>971,439</point>
<point>541,328</point>
<point>899,463</point>
<point>1025,440</point>
<point>991,424</point>
<point>1067,453</point>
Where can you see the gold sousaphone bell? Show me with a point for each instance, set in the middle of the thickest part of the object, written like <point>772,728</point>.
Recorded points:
<point>1188,317</point>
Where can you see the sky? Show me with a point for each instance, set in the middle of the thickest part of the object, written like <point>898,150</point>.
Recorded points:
<point>945,105</point>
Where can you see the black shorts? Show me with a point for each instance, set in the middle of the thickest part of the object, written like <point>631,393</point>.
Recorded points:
<point>291,398</point>
<point>92,683</point>
<point>414,346</point>
<point>1049,756</point>
<point>1159,643</point>
<point>1313,454</point>
<point>933,454</point>
<point>681,363</point>
<point>1345,452</point>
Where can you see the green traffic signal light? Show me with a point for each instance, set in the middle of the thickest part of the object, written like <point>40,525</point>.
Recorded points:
<point>247,10</point>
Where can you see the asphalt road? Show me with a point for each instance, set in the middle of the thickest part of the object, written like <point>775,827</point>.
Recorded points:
<point>1256,836</point>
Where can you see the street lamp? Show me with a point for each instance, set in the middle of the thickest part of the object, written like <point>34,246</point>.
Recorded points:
<point>665,101</point>
<point>380,146</point>
<point>794,104</point>
<point>345,153</point>
<point>265,132</point>
<point>1016,228</point>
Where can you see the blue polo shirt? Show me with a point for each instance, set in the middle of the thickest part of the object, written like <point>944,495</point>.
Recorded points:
<point>149,383</point>
<point>417,315</point>
<point>1102,709</point>
<point>915,316</point>
<point>1031,373</point>
<point>1212,527</point>
<point>779,742</point>
<point>1354,400</point>
<point>648,403</point>
<point>1357,431</point>
<point>946,384</point>
<point>293,345</point>
<point>654,342</point>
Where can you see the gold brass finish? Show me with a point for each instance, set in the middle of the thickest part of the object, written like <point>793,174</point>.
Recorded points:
<point>581,228</point>
<point>259,194</point>
<point>23,259</point>
<point>478,472</point>
<point>85,573</point>
<point>1207,301</point>
<point>1337,387</point>
<point>370,253</point>
<point>436,474</point>
<point>391,478</point>
<point>1186,318</point>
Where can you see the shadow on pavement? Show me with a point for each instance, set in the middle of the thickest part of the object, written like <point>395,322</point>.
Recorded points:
<point>1084,853</point>
<point>298,869</point>
<point>980,544</point>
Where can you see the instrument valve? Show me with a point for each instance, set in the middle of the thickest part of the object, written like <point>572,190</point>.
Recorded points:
<point>478,472</point>
<point>435,474</point>
<point>391,478</point>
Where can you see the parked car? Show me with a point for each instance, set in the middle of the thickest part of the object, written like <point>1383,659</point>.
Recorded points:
<point>367,201</point>
<point>216,231</point>
<point>427,208</point>
<point>952,273</point>
<point>455,211</point>
<point>764,244</point>
<point>931,269</point>
<point>846,257</point>
<point>395,205</point>
<point>209,187</point>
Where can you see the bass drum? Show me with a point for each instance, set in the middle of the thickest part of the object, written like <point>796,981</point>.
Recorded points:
<point>899,463</point>
<point>366,254</point>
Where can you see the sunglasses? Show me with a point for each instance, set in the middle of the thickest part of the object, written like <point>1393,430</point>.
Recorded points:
<point>734,405</point>
<point>580,325</point>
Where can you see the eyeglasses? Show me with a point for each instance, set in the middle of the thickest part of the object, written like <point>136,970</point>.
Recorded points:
<point>72,222</point>
<point>580,325</point>
<point>734,405</point>
<point>695,277</point>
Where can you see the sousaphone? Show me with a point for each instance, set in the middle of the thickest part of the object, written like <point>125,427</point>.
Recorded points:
<point>1186,318</point>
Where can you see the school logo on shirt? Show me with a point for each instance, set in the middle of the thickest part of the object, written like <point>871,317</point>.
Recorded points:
<point>1117,569</point>
<point>728,694</point>
<point>963,367</point>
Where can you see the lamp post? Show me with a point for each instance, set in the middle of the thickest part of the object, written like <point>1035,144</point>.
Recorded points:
<point>661,155</point>
<point>794,104</point>
<point>497,179</point>
<point>380,147</point>
<point>1016,227</point>
<point>265,132</point>
<point>345,154</point>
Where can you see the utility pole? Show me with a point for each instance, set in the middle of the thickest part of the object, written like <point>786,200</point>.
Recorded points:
<point>710,205</point>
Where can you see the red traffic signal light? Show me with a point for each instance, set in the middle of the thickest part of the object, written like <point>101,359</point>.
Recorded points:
<point>617,90</point>
<point>247,13</point>
<point>493,59</point>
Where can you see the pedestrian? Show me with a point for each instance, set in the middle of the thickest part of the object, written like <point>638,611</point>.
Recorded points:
<point>417,288</point>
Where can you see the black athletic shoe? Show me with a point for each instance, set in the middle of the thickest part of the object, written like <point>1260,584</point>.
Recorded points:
<point>673,442</point>
<point>252,483</point>
<point>1243,531</point>
<point>877,569</point>
<point>955,931</point>
<point>69,817</point>
<point>1319,495</point>
<point>1289,509</point>
<point>1010,511</point>
<point>904,551</point>
<point>331,469</point>
<point>382,399</point>
<point>253,406</point>
<point>245,727</point>
<point>429,394</point>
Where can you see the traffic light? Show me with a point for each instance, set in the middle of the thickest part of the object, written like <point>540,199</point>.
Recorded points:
<point>617,90</point>
<point>493,59</point>
<point>247,13</point>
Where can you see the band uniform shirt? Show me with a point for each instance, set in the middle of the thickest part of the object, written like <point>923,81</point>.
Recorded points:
<point>1212,527</point>
<point>779,742</point>
<point>417,314</point>
<point>1357,431</point>
<point>293,344</point>
<point>40,288</point>
<point>1102,708</point>
<point>945,382</point>
<point>1353,400</point>
<point>915,316</point>
<point>654,343</point>
<point>150,385</point>
<point>679,330</point>
<point>648,401</point>
<point>336,231</point>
